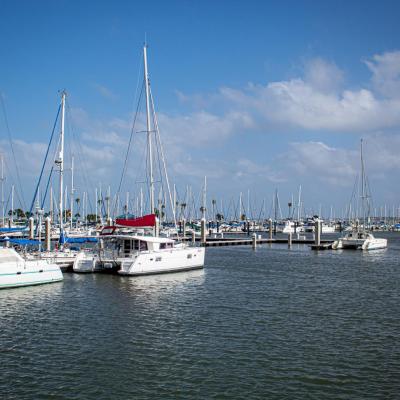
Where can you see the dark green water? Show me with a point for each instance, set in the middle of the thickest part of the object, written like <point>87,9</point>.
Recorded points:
<point>269,324</point>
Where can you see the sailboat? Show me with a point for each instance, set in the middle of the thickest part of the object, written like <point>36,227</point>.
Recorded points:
<point>360,238</point>
<point>137,254</point>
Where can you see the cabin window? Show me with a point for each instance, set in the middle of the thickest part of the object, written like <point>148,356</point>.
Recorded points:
<point>142,245</point>
<point>189,256</point>
<point>158,258</point>
<point>127,246</point>
<point>163,246</point>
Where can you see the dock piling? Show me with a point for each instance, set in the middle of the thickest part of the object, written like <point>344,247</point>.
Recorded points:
<point>270,228</point>
<point>47,232</point>
<point>31,228</point>
<point>203,230</point>
<point>254,241</point>
<point>317,230</point>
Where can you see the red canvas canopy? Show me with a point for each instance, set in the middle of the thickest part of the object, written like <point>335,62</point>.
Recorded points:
<point>140,222</point>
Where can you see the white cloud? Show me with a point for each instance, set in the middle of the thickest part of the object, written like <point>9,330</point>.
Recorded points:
<point>105,92</point>
<point>322,75</point>
<point>318,101</point>
<point>386,73</point>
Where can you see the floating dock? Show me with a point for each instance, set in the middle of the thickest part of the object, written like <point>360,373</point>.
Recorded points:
<point>216,242</point>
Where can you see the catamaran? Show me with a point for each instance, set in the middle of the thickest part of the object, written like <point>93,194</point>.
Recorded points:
<point>360,238</point>
<point>134,254</point>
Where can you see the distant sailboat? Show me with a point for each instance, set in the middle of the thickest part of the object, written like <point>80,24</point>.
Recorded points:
<point>360,238</point>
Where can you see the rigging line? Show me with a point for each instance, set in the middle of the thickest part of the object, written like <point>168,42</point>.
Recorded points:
<point>134,121</point>
<point>47,186</point>
<point>45,159</point>
<point>79,152</point>
<point>8,171</point>
<point>163,158</point>
<point>130,141</point>
<point>12,148</point>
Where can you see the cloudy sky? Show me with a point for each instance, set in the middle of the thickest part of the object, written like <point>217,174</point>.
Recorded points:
<point>255,95</point>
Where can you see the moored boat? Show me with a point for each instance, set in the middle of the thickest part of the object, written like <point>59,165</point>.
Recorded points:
<point>16,271</point>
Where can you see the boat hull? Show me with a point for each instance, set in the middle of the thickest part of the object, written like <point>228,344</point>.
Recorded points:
<point>358,244</point>
<point>30,275</point>
<point>164,261</point>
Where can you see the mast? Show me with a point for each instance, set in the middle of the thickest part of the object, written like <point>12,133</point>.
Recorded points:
<point>2,189</point>
<point>72,190</point>
<point>12,205</point>
<point>60,161</point>
<point>96,204</point>
<point>203,209</point>
<point>299,204</point>
<point>363,194</point>
<point>149,145</point>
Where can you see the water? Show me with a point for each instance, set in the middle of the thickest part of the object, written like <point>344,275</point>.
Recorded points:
<point>274,323</point>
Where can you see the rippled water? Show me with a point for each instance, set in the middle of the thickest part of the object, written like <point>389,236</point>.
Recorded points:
<point>271,323</point>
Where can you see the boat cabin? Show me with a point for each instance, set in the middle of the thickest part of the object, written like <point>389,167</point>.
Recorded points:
<point>126,245</point>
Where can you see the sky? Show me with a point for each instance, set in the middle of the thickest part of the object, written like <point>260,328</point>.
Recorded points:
<point>258,96</point>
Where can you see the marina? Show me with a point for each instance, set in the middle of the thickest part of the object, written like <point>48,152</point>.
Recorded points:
<point>199,200</point>
<point>282,322</point>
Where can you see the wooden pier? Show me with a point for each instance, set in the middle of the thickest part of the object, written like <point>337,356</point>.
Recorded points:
<point>216,242</point>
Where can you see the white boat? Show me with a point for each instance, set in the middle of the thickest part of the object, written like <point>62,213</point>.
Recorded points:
<point>64,258</point>
<point>87,261</point>
<point>16,271</point>
<point>359,240</point>
<point>146,255</point>
<point>291,227</point>
<point>326,228</point>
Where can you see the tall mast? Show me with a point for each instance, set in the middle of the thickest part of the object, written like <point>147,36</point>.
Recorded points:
<point>60,160</point>
<point>299,204</point>
<point>72,190</point>
<point>2,189</point>
<point>362,184</point>
<point>12,205</point>
<point>150,151</point>
<point>203,210</point>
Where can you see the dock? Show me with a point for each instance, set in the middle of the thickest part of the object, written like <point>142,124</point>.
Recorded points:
<point>216,242</point>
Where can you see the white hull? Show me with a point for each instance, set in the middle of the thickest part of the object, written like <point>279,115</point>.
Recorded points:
<point>163,261</point>
<point>86,262</point>
<point>360,242</point>
<point>20,272</point>
<point>327,229</point>
<point>64,259</point>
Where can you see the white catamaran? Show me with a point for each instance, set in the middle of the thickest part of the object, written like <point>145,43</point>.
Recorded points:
<point>132,254</point>
<point>360,238</point>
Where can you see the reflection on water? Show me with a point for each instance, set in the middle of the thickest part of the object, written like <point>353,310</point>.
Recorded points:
<point>14,299</point>
<point>170,281</point>
<point>264,324</point>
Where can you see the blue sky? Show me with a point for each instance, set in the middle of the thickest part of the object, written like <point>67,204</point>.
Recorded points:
<point>256,95</point>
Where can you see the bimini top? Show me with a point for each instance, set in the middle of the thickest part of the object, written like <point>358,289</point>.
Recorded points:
<point>149,239</point>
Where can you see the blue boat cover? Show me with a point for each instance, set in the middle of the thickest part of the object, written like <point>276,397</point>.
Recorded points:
<point>81,240</point>
<point>8,230</point>
<point>22,242</point>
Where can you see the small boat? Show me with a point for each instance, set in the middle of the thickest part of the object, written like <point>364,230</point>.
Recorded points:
<point>87,261</point>
<point>16,271</point>
<point>359,240</point>
<point>360,237</point>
